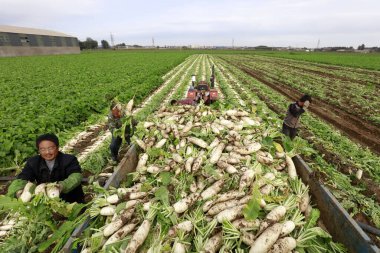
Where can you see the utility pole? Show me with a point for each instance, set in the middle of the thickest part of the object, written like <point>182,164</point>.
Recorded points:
<point>153,42</point>
<point>233,43</point>
<point>112,41</point>
<point>318,43</point>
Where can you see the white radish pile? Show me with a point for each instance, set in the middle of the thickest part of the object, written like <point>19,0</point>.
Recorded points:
<point>203,172</point>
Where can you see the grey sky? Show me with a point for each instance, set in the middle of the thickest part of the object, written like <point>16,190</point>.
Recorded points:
<point>250,23</point>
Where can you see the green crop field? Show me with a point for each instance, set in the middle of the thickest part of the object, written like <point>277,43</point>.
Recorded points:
<point>55,93</point>
<point>356,60</point>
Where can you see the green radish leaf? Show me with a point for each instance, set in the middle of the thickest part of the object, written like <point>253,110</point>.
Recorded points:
<point>163,195</point>
<point>165,177</point>
<point>312,219</point>
<point>252,209</point>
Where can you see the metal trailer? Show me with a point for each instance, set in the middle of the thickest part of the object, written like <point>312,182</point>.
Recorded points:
<point>338,222</point>
<point>127,164</point>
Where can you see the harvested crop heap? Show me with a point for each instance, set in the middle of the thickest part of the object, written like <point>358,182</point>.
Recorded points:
<point>207,182</point>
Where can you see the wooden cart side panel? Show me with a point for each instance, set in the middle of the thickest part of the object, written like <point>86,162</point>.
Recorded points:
<point>339,223</point>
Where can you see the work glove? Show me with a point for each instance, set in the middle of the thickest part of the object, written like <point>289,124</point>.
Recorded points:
<point>306,104</point>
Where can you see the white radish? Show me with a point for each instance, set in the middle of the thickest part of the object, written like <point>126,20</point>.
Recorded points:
<point>227,167</point>
<point>187,128</point>
<point>197,162</point>
<point>40,189</point>
<point>189,163</point>
<point>179,247</point>
<point>138,237</point>
<point>120,234</point>
<point>212,190</point>
<point>142,162</point>
<point>288,227</point>
<point>26,194</point>
<point>291,168</point>
<point>214,143</point>
<point>148,124</point>
<point>304,202</point>
<point>251,148</point>
<point>219,207</point>
<point>161,143</point>
<point>183,204</point>
<point>140,143</point>
<point>128,109</point>
<point>230,214</point>
<point>6,227</point>
<point>52,191</point>
<point>216,153</point>
<point>244,224</point>
<point>112,199</point>
<point>359,174</point>
<point>108,210</point>
<point>246,179</point>
<point>122,219</point>
<point>153,169</point>
<point>284,245</point>
<point>267,239</point>
<point>276,214</point>
<point>229,195</point>
<point>213,244</point>
<point>199,142</point>
<point>136,195</point>
<point>177,157</point>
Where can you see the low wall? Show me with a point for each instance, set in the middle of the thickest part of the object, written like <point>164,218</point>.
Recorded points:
<point>9,51</point>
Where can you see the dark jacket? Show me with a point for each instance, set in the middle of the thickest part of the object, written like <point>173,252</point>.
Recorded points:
<point>293,114</point>
<point>37,171</point>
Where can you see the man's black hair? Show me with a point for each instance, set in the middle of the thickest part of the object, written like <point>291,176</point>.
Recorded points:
<point>305,97</point>
<point>47,137</point>
<point>173,102</point>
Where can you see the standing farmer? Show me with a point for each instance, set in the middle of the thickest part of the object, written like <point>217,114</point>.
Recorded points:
<point>292,119</point>
<point>114,123</point>
<point>115,126</point>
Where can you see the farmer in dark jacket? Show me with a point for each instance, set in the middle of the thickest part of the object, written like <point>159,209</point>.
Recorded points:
<point>115,124</point>
<point>292,119</point>
<point>51,166</point>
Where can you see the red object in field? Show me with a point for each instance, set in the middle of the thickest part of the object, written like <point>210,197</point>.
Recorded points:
<point>200,90</point>
<point>192,94</point>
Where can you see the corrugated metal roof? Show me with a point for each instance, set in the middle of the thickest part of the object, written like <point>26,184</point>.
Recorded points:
<point>26,30</point>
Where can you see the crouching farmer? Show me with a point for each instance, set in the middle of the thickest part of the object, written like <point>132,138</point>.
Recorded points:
<point>51,166</point>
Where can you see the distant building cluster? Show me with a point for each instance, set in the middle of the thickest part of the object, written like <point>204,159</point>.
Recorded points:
<point>21,41</point>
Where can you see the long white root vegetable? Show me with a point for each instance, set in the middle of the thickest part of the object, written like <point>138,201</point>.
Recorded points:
<point>230,214</point>
<point>216,153</point>
<point>26,194</point>
<point>120,234</point>
<point>213,244</point>
<point>212,190</point>
<point>199,142</point>
<point>267,239</point>
<point>183,204</point>
<point>123,218</point>
<point>284,245</point>
<point>138,237</point>
<point>291,168</point>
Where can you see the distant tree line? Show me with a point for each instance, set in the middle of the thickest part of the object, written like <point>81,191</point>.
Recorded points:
<point>88,44</point>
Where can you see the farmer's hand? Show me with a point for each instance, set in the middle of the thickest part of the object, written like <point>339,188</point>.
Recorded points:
<point>18,193</point>
<point>60,187</point>
<point>306,104</point>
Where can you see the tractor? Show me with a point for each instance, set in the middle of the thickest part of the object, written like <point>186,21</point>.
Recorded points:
<point>202,90</point>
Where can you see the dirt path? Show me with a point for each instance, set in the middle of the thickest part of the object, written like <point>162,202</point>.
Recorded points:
<point>354,127</point>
